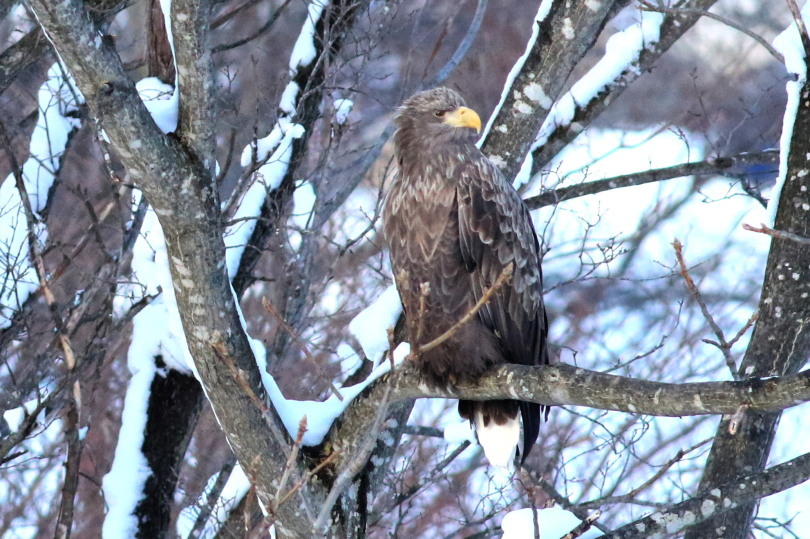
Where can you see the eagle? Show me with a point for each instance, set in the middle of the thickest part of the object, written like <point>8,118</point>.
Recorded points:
<point>455,227</point>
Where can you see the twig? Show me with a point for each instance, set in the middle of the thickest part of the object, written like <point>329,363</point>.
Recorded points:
<point>547,487</point>
<point>326,462</point>
<point>10,441</point>
<point>300,342</point>
<point>753,318</point>
<point>463,47</point>
<point>74,399</point>
<point>488,293</point>
<point>222,18</point>
<point>722,498</point>
<point>631,495</point>
<point>780,234</point>
<point>723,345</point>
<point>432,476</point>
<point>424,291</point>
<point>265,27</point>
<point>288,467</point>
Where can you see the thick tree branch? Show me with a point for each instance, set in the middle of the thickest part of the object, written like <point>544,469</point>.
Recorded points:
<point>780,343</point>
<point>163,167</point>
<point>566,385</point>
<point>675,25</point>
<point>718,501</point>
<point>564,36</point>
<point>195,79</point>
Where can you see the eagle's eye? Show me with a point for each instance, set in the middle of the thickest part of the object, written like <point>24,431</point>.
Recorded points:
<point>439,113</point>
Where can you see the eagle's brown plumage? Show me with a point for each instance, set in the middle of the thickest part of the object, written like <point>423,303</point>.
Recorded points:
<point>454,222</point>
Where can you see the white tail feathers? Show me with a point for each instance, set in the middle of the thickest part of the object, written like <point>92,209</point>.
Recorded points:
<point>499,441</point>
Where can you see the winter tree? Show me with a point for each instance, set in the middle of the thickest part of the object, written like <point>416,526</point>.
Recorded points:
<point>200,334</point>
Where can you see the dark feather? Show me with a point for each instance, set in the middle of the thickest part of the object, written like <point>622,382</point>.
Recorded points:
<point>454,222</point>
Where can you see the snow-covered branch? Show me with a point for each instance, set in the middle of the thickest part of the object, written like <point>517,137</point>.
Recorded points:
<point>629,54</point>
<point>563,32</point>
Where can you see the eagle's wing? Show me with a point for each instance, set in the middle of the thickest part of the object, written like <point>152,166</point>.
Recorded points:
<point>495,230</point>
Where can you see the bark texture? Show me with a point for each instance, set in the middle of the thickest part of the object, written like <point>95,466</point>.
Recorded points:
<point>780,344</point>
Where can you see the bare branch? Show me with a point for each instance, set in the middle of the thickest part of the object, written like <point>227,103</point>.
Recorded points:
<point>562,384</point>
<point>712,166</point>
<point>300,342</point>
<point>358,460</point>
<point>258,33</point>
<point>722,344</point>
<point>765,229</point>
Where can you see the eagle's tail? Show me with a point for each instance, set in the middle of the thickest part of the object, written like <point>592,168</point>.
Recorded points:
<point>498,428</point>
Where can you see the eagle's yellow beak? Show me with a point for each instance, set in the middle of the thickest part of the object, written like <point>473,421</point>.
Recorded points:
<point>463,117</point>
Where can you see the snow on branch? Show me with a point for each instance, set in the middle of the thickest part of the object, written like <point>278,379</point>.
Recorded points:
<point>57,100</point>
<point>674,24</point>
<point>540,16</point>
<point>266,160</point>
<point>123,484</point>
<point>789,43</point>
<point>562,33</point>
<point>622,53</point>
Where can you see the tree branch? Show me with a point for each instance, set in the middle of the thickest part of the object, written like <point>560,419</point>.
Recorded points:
<point>781,338</point>
<point>718,501</point>
<point>192,53</point>
<point>542,77</point>
<point>712,166</point>
<point>162,166</point>
<point>566,385</point>
<point>672,29</point>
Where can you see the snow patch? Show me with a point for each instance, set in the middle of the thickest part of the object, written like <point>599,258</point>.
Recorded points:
<point>553,523</point>
<point>162,102</point>
<point>56,100</point>
<point>342,109</point>
<point>123,484</point>
<point>320,414</point>
<point>370,327</point>
<point>232,493</point>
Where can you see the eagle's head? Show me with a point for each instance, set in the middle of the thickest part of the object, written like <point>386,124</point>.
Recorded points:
<point>435,115</point>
